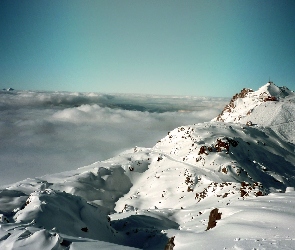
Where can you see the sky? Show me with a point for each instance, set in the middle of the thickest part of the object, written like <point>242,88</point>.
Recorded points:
<point>198,47</point>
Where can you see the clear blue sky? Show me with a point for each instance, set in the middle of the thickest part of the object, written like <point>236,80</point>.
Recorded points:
<point>209,47</point>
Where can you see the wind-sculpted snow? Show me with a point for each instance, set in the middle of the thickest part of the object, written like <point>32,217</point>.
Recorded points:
<point>211,185</point>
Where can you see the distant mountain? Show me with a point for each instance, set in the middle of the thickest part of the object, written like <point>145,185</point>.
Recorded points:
<point>9,89</point>
<point>216,185</point>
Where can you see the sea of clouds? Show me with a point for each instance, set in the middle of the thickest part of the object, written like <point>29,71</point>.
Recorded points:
<point>50,132</point>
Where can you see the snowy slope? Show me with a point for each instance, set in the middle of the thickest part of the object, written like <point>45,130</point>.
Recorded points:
<point>142,197</point>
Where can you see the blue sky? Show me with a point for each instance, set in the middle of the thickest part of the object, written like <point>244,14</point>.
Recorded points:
<point>200,48</point>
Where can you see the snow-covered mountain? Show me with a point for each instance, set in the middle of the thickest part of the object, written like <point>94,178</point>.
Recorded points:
<point>216,185</point>
<point>269,106</point>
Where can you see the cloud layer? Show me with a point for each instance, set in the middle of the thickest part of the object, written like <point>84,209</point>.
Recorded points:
<point>48,132</point>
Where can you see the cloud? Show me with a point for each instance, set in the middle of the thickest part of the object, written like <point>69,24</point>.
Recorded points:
<point>48,132</point>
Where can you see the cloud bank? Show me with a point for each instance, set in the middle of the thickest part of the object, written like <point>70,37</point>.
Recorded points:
<point>48,132</point>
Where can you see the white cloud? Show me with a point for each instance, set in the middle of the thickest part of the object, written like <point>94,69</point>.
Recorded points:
<point>48,132</point>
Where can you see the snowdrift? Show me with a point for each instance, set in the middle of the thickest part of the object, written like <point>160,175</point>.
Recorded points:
<point>225,184</point>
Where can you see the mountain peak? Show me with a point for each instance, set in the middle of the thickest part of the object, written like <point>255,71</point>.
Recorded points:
<point>242,104</point>
<point>270,106</point>
<point>270,89</point>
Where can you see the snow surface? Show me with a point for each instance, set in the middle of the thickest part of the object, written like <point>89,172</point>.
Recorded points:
<point>143,196</point>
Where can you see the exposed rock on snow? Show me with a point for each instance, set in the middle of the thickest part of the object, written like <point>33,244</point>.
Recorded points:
<point>213,217</point>
<point>170,244</point>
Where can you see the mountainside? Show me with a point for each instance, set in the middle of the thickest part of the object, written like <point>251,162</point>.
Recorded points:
<point>216,185</point>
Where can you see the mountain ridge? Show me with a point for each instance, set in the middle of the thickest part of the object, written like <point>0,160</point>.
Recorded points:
<point>243,103</point>
<point>143,196</point>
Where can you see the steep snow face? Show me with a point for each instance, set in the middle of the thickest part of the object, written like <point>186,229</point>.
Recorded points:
<point>269,106</point>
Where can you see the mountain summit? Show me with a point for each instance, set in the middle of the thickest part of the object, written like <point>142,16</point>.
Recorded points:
<point>216,185</point>
<point>269,106</point>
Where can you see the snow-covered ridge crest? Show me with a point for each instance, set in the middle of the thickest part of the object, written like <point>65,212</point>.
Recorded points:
<point>269,106</point>
<point>243,103</point>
